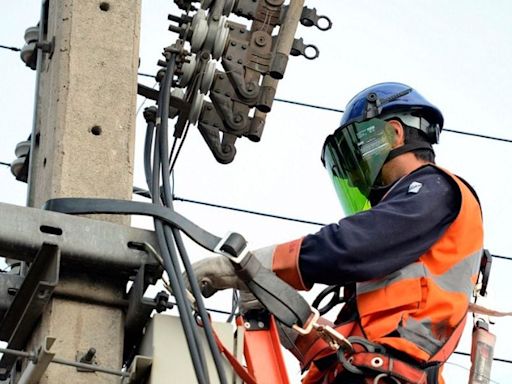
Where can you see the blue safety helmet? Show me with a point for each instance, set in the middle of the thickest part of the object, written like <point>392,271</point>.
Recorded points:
<point>385,99</point>
<point>355,153</point>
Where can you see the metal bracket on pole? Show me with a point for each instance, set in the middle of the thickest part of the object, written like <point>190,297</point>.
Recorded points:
<point>35,369</point>
<point>83,242</point>
<point>139,370</point>
<point>140,310</point>
<point>28,304</point>
<point>9,286</point>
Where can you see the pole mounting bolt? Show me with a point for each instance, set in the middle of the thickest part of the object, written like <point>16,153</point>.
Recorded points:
<point>88,357</point>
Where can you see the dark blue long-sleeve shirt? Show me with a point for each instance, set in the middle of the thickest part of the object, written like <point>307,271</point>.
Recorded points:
<point>389,236</point>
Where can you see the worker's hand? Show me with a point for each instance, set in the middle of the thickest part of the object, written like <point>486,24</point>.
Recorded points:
<point>216,273</point>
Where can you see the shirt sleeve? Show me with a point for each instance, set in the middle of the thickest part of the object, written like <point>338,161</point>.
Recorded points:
<point>391,235</point>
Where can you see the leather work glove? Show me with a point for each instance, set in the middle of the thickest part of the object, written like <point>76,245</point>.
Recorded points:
<point>217,273</point>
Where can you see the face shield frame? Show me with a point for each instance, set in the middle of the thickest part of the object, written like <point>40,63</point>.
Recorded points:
<point>353,156</point>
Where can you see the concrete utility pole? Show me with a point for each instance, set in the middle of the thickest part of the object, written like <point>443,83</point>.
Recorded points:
<point>82,146</point>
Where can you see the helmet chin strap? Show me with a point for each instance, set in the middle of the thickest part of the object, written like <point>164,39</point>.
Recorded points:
<point>410,146</point>
<point>378,190</point>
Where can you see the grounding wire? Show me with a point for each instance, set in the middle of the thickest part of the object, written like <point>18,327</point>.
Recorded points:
<point>173,234</point>
<point>171,170</point>
<point>187,323</point>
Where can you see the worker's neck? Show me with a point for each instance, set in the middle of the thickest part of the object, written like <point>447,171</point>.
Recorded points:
<point>400,166</point>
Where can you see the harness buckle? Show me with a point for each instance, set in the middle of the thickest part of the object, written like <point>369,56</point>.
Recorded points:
<point>335,339</point>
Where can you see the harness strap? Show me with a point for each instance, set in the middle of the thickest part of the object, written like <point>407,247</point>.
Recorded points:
<point>314,348</point>
<point>378,363</point>
<point>449,347</point>
<point>240,370</point>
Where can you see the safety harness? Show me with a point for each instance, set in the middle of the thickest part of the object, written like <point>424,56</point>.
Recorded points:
<point>353,354</point>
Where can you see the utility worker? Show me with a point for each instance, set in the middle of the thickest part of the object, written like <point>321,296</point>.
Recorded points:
<point>407,253</point>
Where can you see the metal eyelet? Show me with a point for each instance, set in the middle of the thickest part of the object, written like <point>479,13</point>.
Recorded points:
<point>377,362</point>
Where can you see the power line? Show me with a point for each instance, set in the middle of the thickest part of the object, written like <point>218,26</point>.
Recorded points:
<point>140,192</point>
<point>6,164</point>
<point>330,109</point>
<point>146,75</point>
<point>469,370</point>
<point>479,135</point>
<point>494,358</point>
<point>270,215</point>
<point>15,49</point>
<point>301,104</point>
<point>444,129</point>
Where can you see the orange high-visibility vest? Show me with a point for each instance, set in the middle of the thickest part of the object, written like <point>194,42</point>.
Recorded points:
<point>417,308</point>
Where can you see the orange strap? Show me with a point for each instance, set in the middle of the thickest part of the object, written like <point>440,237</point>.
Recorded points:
<point>240,370</point>
<point>377,362</point>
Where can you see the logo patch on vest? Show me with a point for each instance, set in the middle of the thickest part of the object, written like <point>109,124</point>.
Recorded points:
<point>415,187</point>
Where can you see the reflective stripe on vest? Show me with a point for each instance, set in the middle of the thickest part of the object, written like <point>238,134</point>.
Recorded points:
<point>417,308</point>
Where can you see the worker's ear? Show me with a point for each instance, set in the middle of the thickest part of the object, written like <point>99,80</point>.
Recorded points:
<point>399,133</point>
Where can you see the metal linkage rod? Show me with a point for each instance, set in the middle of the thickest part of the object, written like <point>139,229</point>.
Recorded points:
<point>57,360</point>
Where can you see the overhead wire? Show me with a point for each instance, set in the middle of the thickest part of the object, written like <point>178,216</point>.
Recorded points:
<point>143,193</point>
<point>494,358</point>
<point>469,370</point>
<point>337,110</point>
<point>15,49</point>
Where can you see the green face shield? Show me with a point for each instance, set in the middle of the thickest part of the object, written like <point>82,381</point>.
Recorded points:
<point>354,155</point>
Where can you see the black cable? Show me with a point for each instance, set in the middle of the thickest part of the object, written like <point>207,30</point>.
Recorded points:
<point>173,236</point>
<point>337,110</point>
<point>146,75</point>
<point>494,358</point>
<point>272,216</point>
<point>501,257</point>
<point>6,164</point>
<point>179,148</point>
<point>167,194</point>
<point>148,143</point>
<point>301,104</point>
<point>188,324</point>
<point>144,193</point>
<point>220,311</point>
<point>173,148</point>
<point>170,234</point>
<point>479,135</point>
<point>235,301</point>
<point>15,49</point>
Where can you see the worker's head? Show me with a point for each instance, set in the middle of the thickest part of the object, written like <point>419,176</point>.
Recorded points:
<point>381,123</point>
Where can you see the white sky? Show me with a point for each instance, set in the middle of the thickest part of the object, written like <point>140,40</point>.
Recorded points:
<point>456,53</point>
